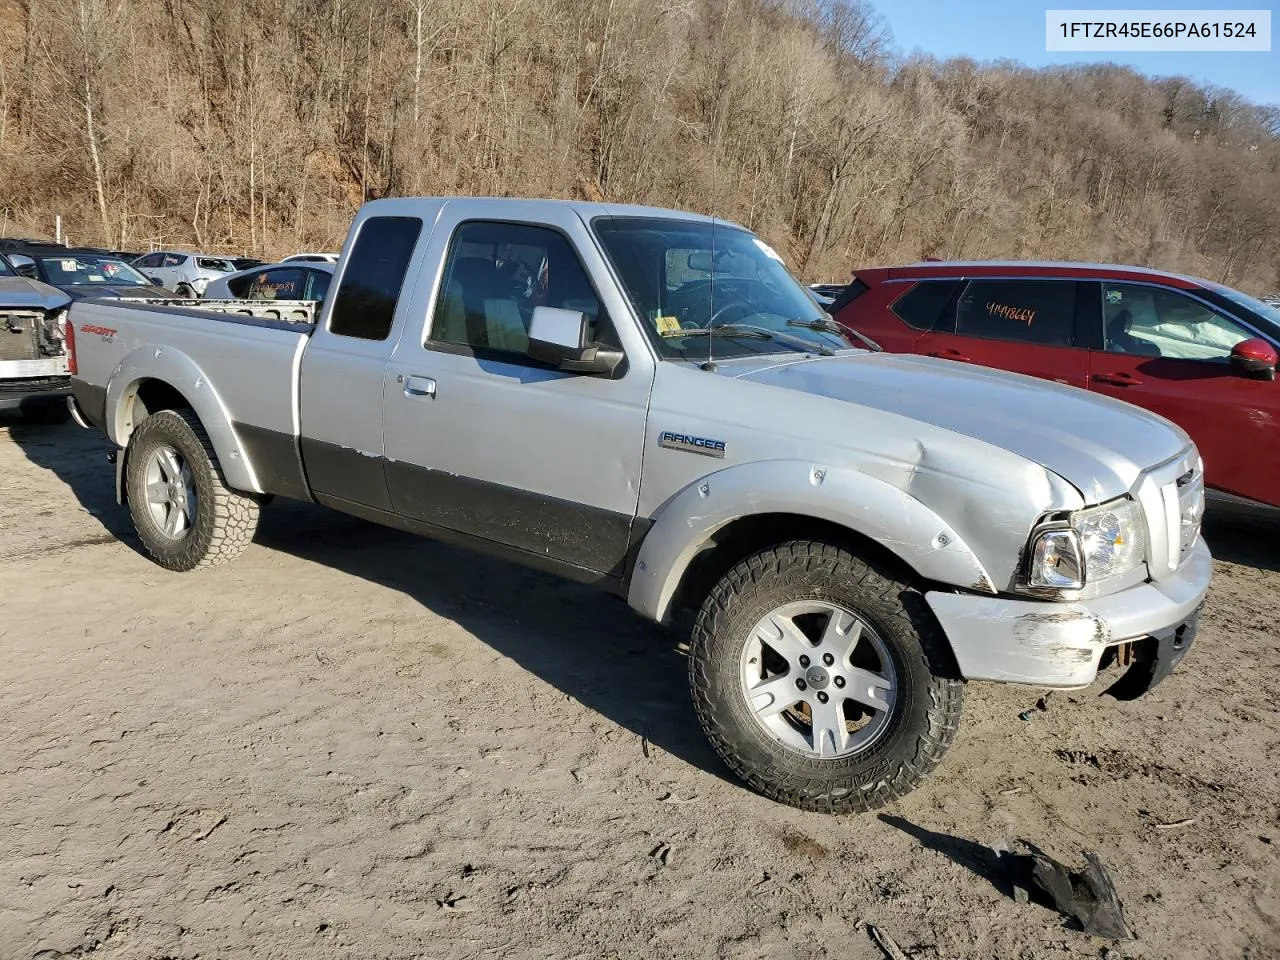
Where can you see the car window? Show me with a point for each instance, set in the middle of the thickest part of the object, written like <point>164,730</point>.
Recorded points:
<point>1021,311</point>
<point>239,287</point>
<point>922,304</point>
<point>365,304</point>
<point>276,285</point>
<point>1156,322</point>
<point>215,263</point>
<point>319,284</point>
<point>150,260</point>
<point>174,260</point>
<point>497,273</point>
<point>88,269</point>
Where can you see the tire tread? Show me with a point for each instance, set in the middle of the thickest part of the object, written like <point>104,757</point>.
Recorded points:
<point>946,695</point>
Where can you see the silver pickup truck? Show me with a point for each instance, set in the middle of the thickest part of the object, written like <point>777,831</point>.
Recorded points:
<point>648,401</point>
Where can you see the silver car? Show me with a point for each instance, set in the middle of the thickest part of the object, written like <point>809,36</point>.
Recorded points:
<point>186,274</point>
<point>279,281</point>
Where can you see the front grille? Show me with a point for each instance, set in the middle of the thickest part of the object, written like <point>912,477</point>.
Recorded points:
<point>1172,499</point>
<point>1191,508</point>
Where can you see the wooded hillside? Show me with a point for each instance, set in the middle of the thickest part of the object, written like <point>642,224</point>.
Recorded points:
<point>259,126</point>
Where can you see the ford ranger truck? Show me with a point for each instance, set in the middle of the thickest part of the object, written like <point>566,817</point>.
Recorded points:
<point>33,359</point>
<point>648,401</point>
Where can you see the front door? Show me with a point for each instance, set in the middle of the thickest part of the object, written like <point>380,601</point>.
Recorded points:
<point>484,440</point>
<point>1169,352</point>
<point>1026,326</point>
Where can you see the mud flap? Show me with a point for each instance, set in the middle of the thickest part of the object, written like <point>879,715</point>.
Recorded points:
<point>1156,656</point>
<point>117,457</point>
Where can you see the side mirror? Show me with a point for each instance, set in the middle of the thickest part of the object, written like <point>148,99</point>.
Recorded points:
<point>1256,357</point>
<point>156,281</point>
<point>560,337</point>
<point>24,266</point>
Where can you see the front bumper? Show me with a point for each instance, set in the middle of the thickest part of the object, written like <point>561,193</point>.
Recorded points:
<point>1051,644</point>
<point>34,392</point>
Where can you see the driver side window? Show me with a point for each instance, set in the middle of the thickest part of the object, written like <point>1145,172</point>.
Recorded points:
<point>494,277</point>
<point>1150,321</point>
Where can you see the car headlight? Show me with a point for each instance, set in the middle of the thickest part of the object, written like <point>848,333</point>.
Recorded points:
<point>1089,546</point>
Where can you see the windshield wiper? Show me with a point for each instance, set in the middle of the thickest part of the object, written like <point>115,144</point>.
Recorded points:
<point>762,333</point>
<point>827,325</point>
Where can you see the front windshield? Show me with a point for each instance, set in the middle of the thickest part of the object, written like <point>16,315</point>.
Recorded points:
<point>4,269</point>
<point>1261,308</point>
<point>86,269</point>
<point>685,278</point>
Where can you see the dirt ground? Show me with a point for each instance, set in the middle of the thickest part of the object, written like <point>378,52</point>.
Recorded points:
<point>354,743</point>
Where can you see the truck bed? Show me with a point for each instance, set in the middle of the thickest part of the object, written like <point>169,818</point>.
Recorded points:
<point>251,350</point>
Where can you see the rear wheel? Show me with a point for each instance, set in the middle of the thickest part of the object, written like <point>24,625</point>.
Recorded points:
<point>822,679</point>
<point>182,508</point>
<point>184,291</point>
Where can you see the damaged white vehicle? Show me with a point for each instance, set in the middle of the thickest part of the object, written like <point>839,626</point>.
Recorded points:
<point>34,377</point>
<point>648,401</point>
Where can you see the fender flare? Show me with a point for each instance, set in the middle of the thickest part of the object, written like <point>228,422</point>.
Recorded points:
<point>840,495</point>
<point>179,371</point>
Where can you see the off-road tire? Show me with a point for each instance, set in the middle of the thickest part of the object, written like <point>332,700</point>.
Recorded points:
<point>926,712</point>
<point>225,519</point>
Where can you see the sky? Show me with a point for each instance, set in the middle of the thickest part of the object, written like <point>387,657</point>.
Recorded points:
<point>1015,29</point>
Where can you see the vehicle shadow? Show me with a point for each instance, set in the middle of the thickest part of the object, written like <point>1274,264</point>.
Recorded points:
<point>78,458</point>
<point>1248,541</point>
<point>587,644</point>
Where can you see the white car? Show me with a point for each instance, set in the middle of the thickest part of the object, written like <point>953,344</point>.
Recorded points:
<point>311,258</point>
<point>186,274</point>
<point>278,281</point>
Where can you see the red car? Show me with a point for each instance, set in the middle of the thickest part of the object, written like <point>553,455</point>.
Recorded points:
<point>1197,352</point>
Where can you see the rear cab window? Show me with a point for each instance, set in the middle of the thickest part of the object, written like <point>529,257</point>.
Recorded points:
<point>373,278</point>
<point>922,304</point>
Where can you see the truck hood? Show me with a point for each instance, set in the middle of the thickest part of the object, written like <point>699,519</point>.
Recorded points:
<point>113,290</point>
<point>23,293</point>
<point>1097,444</point>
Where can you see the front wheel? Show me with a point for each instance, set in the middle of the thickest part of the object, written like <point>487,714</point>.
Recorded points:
<point>182,508</point>
<point>822,680</point>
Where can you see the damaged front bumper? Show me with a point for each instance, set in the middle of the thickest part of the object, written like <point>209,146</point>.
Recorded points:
<point>1051,644</point>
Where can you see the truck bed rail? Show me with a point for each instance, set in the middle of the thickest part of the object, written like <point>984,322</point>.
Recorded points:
<point>291,311</point>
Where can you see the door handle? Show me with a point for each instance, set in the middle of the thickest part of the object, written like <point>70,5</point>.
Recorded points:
<point>419,387</point>
<point>1117,379</point>
<point>949,355</point>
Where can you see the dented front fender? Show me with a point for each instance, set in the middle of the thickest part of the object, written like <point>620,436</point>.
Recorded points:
<point>874,508</point>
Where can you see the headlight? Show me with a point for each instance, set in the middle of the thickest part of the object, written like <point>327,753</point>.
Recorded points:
<point>1056,561</point>
<point>1110,538</point>
<point>1090,546</point>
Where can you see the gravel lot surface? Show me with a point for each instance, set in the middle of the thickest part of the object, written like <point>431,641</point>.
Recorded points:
<point>354,743</point>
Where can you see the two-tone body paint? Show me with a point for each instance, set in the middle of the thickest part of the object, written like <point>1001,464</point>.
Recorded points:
<point>946,467</point>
